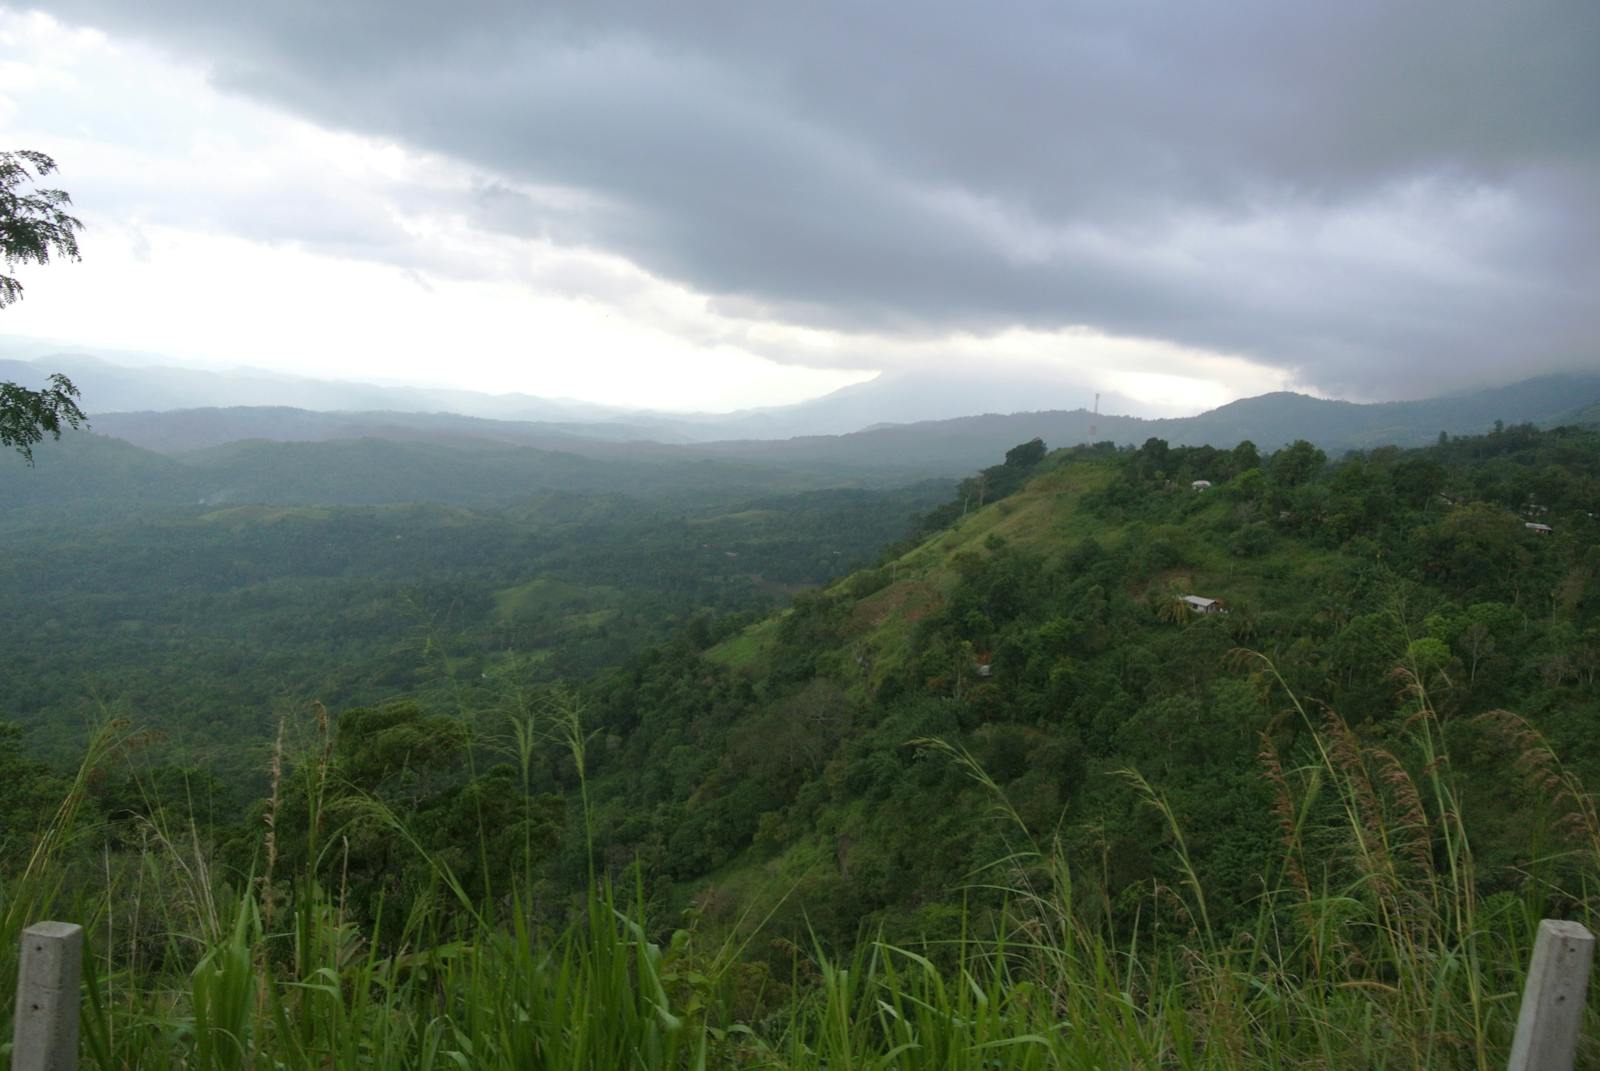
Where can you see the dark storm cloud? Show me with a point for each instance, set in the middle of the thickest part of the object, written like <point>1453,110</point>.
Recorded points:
<point>1381,196</point>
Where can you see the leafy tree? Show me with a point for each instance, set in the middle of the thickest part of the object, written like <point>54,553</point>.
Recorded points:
<point>27,416</point>
<point>1481,631</point>
<point>1296,463</point>
<point>1480,548</point>
<point>1026,455</point>
<point>33,226</point>
<point>1246,456</point>
<point>395,746</point>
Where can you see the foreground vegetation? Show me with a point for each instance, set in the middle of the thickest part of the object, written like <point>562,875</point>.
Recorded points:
<point>1369,947</point>
<point>1001,801</point>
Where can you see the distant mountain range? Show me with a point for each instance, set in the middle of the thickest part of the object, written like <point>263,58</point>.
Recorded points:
<point>891,398</point>
<point>926,448</point>
<point>164,417</point>
<point>110,387</point>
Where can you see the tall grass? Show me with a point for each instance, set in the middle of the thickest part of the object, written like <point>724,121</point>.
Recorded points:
<point>1370,946</point>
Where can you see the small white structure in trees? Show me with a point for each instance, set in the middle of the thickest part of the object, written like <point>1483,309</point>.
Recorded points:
<point>1537,529</point>
<point>1201,485</point>
<point>1201,605</point>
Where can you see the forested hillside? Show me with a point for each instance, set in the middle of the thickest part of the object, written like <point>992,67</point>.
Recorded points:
<point>1128,757</point>
<point>1045,634</point>
<point>206,623</point>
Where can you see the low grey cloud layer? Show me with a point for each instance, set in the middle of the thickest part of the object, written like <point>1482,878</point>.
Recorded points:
<point>1383,198</point>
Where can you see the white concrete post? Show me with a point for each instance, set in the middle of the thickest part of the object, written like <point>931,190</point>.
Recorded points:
<point>1553,999</point>
<point>45,1037</point>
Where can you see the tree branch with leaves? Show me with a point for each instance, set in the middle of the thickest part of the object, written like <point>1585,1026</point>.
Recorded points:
<point>34,226</point>
<point>27,416</point>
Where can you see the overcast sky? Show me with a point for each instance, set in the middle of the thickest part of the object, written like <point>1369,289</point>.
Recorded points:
<point>721,204</point>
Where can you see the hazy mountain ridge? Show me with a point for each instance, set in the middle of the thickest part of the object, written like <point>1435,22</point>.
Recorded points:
<point>184,430</point>
<point>294,455</point>
<point>873,423</point>
<point>893,397</point>
<point>110,387</point>
<point>931,447</point>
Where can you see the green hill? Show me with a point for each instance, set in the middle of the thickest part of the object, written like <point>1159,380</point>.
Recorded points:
<point>1044,634</point>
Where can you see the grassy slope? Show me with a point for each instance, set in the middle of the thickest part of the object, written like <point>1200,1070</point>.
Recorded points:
<point>1043,516</point>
